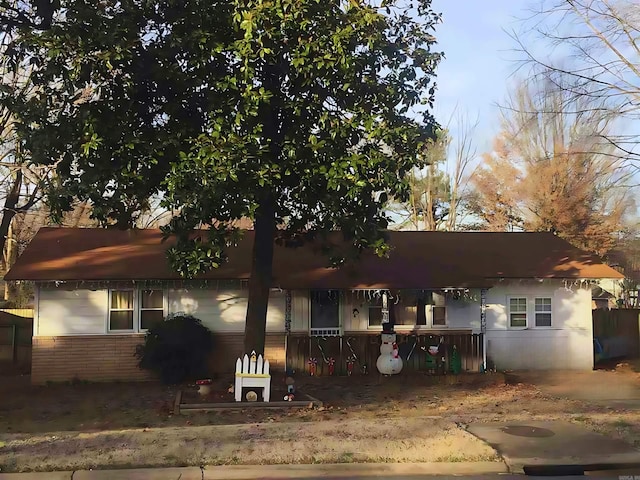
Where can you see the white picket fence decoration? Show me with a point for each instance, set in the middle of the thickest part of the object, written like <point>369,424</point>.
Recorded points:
<point>252,372</point>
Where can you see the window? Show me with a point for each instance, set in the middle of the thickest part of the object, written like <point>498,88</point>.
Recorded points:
<point>438,310</point>
<point>405,311</point>
<point>543,312</point>
<point>132,310</point>
<point>518,312</point>
<point>151,308</point>
<point>121,310</point>
<point>325,312</point>
<point>375,315</point>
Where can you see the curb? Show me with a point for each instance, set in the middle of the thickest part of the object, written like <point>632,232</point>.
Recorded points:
<point>575,469</point>
<point>377,470</point>
<point>274,472</point>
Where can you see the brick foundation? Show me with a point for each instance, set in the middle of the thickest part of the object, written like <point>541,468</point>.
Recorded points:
<point>111,357</point>
<point>95,358</point>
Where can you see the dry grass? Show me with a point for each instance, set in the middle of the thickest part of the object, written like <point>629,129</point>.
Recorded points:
<point>365,419</point>
<point>387,440</point>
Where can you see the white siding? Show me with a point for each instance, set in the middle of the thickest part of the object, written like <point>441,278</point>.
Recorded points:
<point>567,344</point>
<point>300,311</point>
<point>225,310</point>
<point>464,313</point>
<point>71,312</point>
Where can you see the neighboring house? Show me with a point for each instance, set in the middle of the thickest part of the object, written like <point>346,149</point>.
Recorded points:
<point>601,299</point>
<point>524,298</point>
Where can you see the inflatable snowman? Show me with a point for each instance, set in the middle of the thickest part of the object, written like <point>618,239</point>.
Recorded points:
<point>389,361</point>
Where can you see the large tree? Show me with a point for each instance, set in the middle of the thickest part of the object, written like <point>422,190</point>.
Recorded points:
<point>301,115</point>
<point>549,171</point>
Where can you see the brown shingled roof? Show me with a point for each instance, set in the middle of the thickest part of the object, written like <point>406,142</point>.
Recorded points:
<point>418,260</point>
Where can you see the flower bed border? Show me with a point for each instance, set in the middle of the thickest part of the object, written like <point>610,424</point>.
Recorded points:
<point>180,408</point>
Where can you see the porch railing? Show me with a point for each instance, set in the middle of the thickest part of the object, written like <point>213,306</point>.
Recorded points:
<point>365,348</point>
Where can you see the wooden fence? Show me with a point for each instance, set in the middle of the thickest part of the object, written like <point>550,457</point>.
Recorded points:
<point>366,347</point>
<point>617,333</point>
<point>16,330</point>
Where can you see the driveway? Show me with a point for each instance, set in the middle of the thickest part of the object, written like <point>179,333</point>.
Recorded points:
<point>617,389</point>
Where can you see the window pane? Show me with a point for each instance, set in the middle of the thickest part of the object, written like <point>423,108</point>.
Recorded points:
<point>150,318</point>
<point>518,319</point>
<point>543,304</point>
<point>325,307</point>
<point>438,299</point>
<point>151,299</point>
<point>518,305</point>
<point>122,299</point>
<point>543,319</point>
<point>375,316</point>
<point>439,316</point>
<point>121,320</point>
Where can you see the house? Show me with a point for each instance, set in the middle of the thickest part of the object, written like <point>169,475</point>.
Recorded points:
<point>508,300</point>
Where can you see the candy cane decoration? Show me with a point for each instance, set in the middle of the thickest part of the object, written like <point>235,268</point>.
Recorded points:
<point>332,365</point>
<point>313,363</point>
<point>324,357</point>
<point>353,354</point>
<point>350,362</point>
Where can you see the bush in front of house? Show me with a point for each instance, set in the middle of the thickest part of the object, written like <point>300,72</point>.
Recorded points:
<point>177,349</point>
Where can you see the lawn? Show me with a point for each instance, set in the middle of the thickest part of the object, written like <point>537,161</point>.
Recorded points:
<point>365,418</point>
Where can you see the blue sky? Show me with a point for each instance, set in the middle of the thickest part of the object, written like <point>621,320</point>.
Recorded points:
<point>475,73</point>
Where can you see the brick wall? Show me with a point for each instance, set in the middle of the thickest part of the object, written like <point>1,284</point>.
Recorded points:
<point>110,357</point>
<point>95,358</point>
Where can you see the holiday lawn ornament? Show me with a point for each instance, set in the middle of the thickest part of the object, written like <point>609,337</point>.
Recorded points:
<point>252,372</point>
<point>313,365</point>
<point>435,352</point>
<point>204,386</point>
<point>389,361</point>
<point>456,361</point>
<point>291,384</point>
<point>332,365</point>
<point>350,362</point>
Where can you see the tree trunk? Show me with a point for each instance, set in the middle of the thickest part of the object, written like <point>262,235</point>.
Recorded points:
<point>9,211</point>
<point>261,276</point>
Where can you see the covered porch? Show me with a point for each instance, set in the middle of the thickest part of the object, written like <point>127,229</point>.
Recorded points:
<point>357,352</point>
<point>438,331</point>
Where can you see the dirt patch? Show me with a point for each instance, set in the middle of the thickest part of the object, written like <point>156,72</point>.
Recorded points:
<point>344,441</point>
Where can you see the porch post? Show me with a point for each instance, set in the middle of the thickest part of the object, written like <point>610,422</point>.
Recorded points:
<point>483,326</point>
<point>287,327</point>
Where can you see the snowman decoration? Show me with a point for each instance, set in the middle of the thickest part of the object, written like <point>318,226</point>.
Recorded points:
<point>389,361</point>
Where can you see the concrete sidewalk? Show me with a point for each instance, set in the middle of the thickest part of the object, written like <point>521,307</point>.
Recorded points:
<point>359,471</point>
<point>533,446</point>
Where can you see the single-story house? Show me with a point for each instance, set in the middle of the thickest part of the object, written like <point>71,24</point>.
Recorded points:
<point>504,300</point>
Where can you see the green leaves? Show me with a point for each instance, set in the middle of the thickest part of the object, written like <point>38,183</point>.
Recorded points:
<point>219,105</point>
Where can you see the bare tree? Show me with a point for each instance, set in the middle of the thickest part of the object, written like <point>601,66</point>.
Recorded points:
<point>439,191</point>
<point>550,172</point>
<point>595,46</point>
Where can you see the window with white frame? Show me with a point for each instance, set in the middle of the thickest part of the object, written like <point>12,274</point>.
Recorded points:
<point>133,310</point>
<point>543,312</point>
<point>151,308</point>
<point>121,310</point>
<point>518,312</point>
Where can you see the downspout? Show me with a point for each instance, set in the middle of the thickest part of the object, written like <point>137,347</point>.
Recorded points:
<point>483,328</point>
